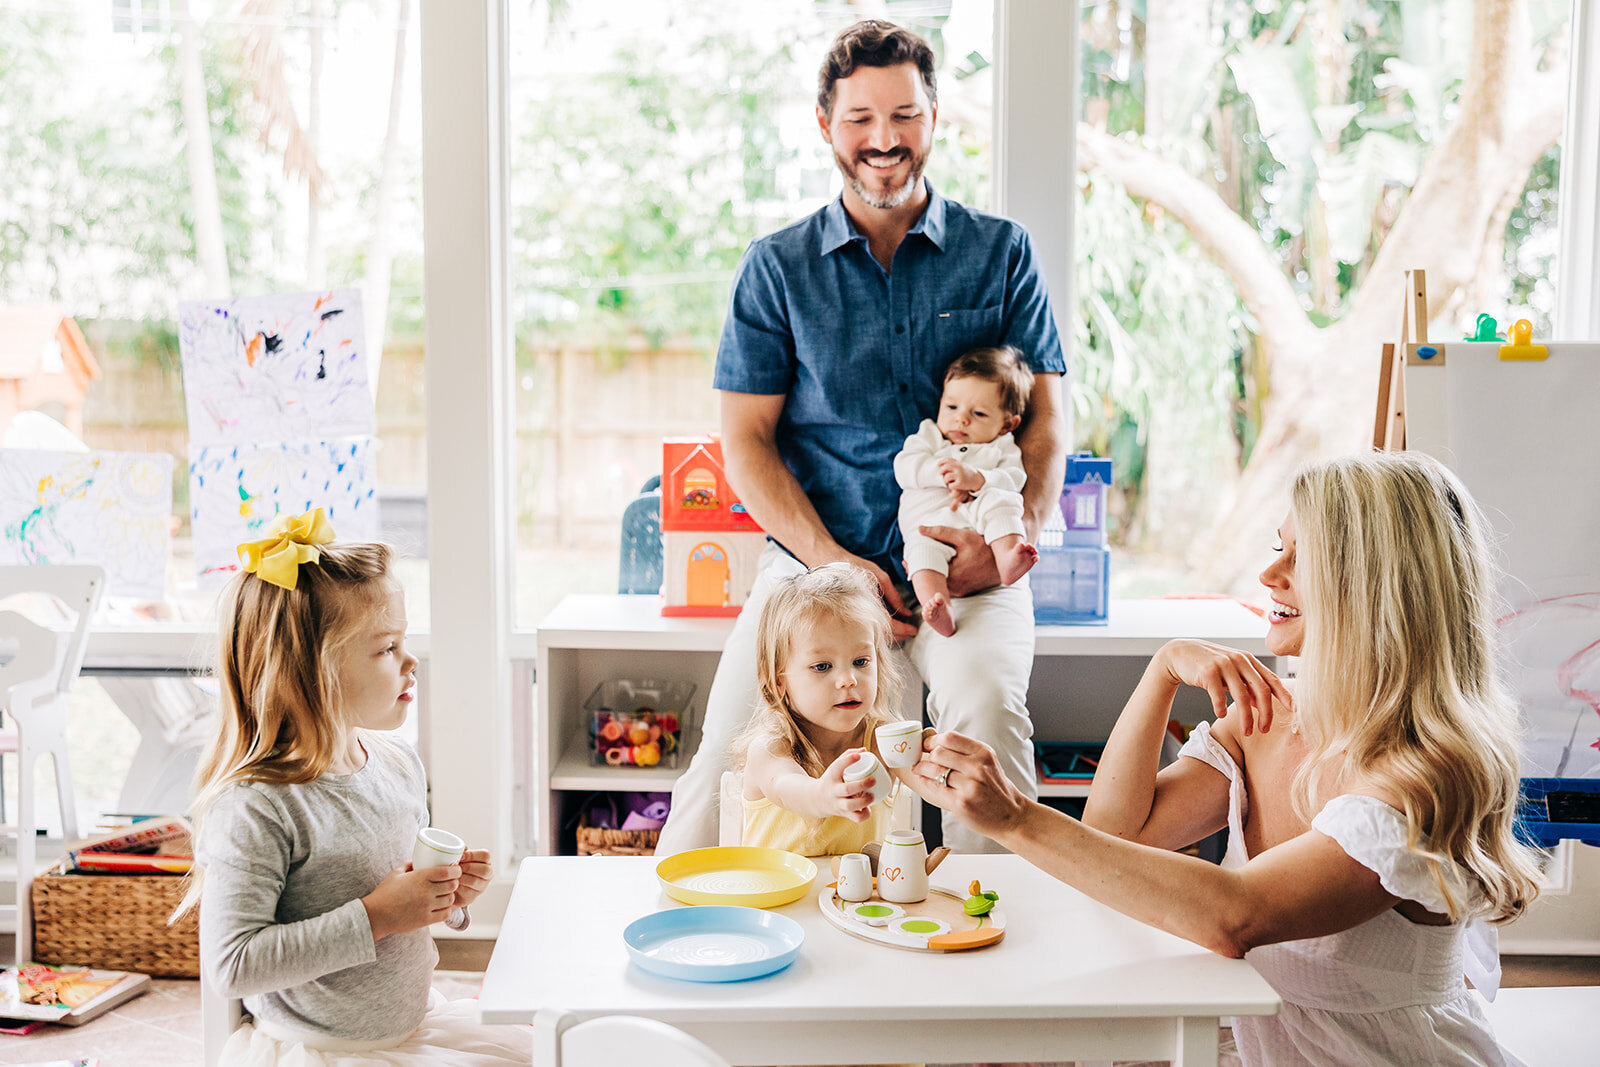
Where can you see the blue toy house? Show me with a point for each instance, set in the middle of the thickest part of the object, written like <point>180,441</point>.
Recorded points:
<point>1071,580</point>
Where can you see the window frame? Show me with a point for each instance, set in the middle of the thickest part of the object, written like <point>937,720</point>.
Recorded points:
<point>477,734</point>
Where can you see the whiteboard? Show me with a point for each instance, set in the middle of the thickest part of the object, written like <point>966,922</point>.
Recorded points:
<point>1525,438</point>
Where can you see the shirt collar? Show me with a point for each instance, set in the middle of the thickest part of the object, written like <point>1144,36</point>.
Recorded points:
<point>838,230</point>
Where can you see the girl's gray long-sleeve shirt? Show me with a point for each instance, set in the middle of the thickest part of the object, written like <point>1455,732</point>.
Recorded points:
<point>281,919</point>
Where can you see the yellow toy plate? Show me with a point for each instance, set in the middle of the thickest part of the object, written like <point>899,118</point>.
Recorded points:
<point>751,877</point>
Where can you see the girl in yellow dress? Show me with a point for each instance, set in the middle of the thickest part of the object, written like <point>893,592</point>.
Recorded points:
<point>827,680</point>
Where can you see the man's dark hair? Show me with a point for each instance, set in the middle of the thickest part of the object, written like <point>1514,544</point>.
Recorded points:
<point>873,43</point>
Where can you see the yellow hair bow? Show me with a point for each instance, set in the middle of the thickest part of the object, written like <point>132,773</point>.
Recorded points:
<point>293,541</point>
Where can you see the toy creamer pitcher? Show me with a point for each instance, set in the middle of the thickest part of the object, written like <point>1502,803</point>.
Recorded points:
<point>902,867</point>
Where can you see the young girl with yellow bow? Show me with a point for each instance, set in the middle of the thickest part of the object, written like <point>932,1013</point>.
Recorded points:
<point>306,818</point>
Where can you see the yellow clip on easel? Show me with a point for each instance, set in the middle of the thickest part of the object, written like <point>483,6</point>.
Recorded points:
<point>1522,346</point>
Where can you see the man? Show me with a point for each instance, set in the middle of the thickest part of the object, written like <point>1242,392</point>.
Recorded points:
<point>838,333</point>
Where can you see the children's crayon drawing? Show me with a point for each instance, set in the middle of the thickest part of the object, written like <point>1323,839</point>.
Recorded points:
<point>108,508</point>
<point>235,491</point>
<point>284,367</point>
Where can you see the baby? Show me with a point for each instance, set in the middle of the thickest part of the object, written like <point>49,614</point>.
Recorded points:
<point>964,469</point>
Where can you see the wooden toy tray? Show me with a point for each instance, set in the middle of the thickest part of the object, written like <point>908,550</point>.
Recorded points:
<point>937,924</point>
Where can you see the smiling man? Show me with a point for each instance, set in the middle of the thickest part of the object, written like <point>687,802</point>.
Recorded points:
<point>838,334</point>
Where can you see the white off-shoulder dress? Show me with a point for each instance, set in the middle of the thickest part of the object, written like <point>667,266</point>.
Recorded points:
<point>1389,991</point>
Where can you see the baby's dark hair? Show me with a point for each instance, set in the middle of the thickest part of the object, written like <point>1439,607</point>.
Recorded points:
<point>1005,367</point>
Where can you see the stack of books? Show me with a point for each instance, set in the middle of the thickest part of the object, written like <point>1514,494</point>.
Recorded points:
<point>160,845</point>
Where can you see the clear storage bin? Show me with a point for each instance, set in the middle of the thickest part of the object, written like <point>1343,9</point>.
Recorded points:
<point>639,722</point>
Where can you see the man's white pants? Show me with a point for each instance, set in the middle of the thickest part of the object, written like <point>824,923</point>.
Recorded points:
<point>977,683</point>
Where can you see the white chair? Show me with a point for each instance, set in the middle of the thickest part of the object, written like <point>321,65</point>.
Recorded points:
<point>559,1040</point>
<point>28,657</point>
<point>37,666</point>
<point>219,1017</point>
<point>730,810</point>
<point>76,590</point>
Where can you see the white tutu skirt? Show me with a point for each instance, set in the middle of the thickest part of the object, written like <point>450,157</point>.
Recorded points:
<point>449,1033</point>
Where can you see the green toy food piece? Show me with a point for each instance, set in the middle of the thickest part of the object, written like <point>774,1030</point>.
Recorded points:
<point>980,905</point>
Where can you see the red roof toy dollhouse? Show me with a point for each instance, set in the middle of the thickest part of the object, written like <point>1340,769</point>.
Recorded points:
<point>710,543</point>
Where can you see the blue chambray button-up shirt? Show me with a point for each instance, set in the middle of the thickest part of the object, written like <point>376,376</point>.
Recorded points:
<point>860,352</point>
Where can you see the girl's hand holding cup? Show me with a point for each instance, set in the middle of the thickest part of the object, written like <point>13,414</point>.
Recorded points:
<point>847,794</point>
<point>409,899</point>
<point>437,847</point>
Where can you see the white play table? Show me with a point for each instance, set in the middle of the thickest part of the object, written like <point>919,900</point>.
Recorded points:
<point>1072,979</point>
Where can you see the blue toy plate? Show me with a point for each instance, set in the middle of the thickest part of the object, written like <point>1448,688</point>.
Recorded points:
<point>713,943</point>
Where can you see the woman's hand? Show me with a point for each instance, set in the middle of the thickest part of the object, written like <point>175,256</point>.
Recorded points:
<point>960,775</point>
<point>410,900</point>
<point>1224,673</point>
<point>839,797</point>
<point>476,873</point>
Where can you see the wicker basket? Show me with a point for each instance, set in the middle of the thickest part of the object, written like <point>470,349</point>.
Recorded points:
<point>115,922</point>
<point>598,841</point>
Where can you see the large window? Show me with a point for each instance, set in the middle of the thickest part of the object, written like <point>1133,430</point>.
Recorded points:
<point>1255,177</point>
<point>154,152</point>
<point>650,143</point>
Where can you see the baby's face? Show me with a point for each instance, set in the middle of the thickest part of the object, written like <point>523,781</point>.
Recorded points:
<point>970,412</point>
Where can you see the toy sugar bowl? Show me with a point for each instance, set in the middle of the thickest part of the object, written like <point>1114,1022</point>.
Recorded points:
<point>903,867</point>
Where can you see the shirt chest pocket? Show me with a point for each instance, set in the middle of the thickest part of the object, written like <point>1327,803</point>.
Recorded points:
<point>958,331</point>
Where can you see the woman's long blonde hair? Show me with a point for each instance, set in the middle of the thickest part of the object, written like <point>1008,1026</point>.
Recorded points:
<point>282,719</point>
<point>1399,684</point>
<point>838,591</point>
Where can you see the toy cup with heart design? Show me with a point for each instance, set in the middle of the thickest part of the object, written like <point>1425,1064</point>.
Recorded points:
<point>903,867</point>
<point>436,848</point>
<point>900,742</point>
<point>866,767</point>
<point>855,877</point>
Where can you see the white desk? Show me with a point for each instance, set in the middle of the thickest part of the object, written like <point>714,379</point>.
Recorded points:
<point>1071,980</point>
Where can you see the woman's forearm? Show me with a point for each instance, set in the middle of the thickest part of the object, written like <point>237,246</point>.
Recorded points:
<point>1123,791</point>
<point>1180,894</point>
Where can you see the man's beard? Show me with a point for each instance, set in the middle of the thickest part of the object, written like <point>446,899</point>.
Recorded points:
<point>894,197</point>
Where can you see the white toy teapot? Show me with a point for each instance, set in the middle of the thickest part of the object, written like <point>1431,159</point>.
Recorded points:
<point>903,867</point>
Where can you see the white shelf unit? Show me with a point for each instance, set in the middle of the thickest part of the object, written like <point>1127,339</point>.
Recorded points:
<point>1082,675</point>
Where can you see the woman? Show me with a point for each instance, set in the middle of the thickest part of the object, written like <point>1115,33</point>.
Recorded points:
<point>1370,814</point>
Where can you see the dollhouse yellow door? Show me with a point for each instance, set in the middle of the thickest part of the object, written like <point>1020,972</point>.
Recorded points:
<point>708,576</point>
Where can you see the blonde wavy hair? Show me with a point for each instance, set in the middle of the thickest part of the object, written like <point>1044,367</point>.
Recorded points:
<point>1399,684</point>
<point>282,718</point>
<point>836,591</point>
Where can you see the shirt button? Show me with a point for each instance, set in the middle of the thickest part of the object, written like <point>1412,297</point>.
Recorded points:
<point>963,448</point>
<point>905,388</point>
<point>900,329</point>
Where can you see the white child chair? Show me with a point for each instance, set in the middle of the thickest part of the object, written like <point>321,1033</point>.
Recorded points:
<point>730,810</point>
<point>219,1017</point>
<point>559,1040</point>
<point>37,666</point>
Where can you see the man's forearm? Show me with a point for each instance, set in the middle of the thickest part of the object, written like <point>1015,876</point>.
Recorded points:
<point>1044,457</point>
<point>769,491</point>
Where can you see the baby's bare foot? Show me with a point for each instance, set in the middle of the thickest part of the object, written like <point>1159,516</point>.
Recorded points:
<point>936,613</point>
<point>1016,561</point>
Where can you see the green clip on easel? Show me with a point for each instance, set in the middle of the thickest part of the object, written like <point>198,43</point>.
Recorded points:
<point>1487,329</point>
